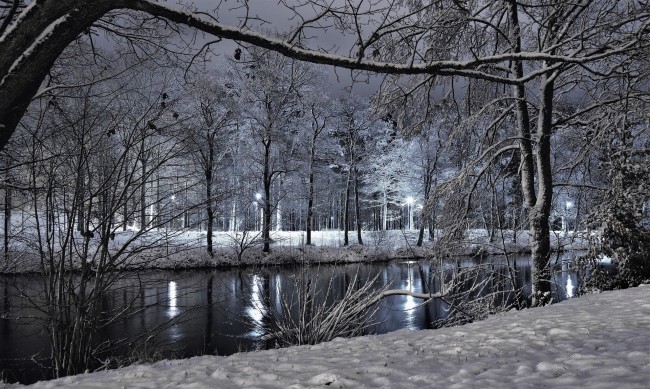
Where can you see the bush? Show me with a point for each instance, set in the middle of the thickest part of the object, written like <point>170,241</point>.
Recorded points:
<point>309,316</point>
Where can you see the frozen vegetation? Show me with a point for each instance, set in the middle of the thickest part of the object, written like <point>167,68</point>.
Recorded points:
<point>596,341</point>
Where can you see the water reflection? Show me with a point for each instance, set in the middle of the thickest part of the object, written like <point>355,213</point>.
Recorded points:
<point>172,298</point>
<point>569,288</point>
<point>567,280</point>
<point>278,291</point>
<point>398,312</point>
<point>256,309</point>
<point>409,304</point>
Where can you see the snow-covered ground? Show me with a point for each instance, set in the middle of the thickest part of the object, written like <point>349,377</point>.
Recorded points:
<point>596,341</point>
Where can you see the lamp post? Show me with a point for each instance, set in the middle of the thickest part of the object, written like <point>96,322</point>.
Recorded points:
<point>409,202</point>
<point>258,196</point>
<point>567,207</point>
<point>173,200</point>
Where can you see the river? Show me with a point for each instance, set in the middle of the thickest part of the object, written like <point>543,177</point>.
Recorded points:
<point>221,312</point>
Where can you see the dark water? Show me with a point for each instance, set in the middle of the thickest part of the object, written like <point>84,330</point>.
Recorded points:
<point>220,311</point>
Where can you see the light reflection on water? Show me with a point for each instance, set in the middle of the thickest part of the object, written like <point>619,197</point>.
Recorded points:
<point>256,309</point>
<point>568,280</point>
<point>175,331</point>
<point>172,295</point>
<point>569,288</point>
<point>409,302</point>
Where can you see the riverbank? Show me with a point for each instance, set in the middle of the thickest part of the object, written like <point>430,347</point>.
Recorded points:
<point>596,341</point>
<point>187,249</point>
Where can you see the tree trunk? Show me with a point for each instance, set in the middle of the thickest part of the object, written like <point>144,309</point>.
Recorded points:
<point>432,224</point>
<point>428,181</point>
<point>186,212</point>
<point>538,208</point>
<point>310,189</point>
<point>356,205</point>
<point>7,221</point>
<point>427,191</point>
<point>539,214</point>
<point>266,225</point>
<point>143,194</point>
<point>278,208</point>
<point>209,207</point>
<point>346,212</point>
<point>420,234</point>
<point>125,207</point>
<point>384,210</point>
<point>155,217</point>
<point>233,215</point>
<point>80,192</point>
<point>517,209</point>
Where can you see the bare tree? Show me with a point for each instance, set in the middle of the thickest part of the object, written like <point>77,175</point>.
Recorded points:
<point>565,51</point>
<point>272,87</point>
<point>79,149</point>
<point>216,113</point>
<point>351,134</point>
<point>319,121</point>
<point>429,174</point>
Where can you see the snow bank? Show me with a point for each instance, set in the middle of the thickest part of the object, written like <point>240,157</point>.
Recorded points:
<point>596,341</point>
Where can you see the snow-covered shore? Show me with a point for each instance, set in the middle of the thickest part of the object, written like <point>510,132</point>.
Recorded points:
<point>596,341</point>
<point>186,249</point>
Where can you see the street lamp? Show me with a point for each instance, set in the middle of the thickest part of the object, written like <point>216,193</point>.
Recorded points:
<point>567,206</point>
<point>258,197</point>
<point>171,220</point>
<point>409,202</point>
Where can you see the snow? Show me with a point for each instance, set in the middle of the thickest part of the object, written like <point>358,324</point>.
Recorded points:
<point>185,249</point>
<point>46,34</point>
<point>17,22</point>
<point>596,341</point>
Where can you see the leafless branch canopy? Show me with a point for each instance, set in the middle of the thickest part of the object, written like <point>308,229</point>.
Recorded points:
<point>443,38</point>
